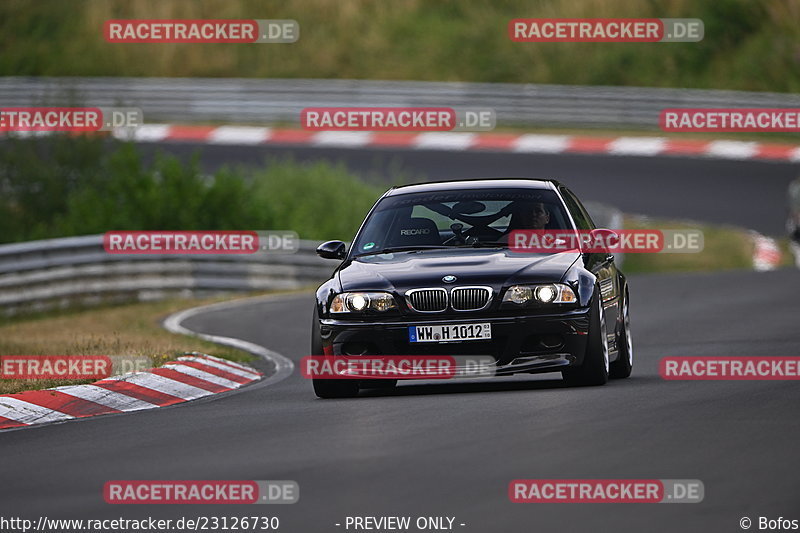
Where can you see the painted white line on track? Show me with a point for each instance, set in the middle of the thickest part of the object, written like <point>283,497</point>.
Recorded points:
<point>28,413</point>
<point>146,133</point>
<point>227,362</point>
<point>637,146</point>
<point>164,385</point>
<point>206,376</point>
<point>732,149</point>
<point>283,365</point>
<point>435,140</point>
<point>231,370</point>
<point>548,144</point>
<point>32,415</point>
<point>342,138</point>
<point>108,398</point>
<point>239,135</point>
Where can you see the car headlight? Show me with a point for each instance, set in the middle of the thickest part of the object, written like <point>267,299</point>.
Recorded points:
<point>357,302</point>
<point>551,293</point>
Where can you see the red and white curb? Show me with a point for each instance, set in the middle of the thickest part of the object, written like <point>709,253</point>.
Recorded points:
<point>459,141</point>
<point>188,378</point>
<point>767,254</point>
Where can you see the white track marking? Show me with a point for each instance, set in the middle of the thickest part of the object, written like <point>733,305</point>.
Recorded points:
<point>342,138</point>
<point>283,365</point>
<point>239,135</point>
<point>243,373</point>
<point>541,143</point>
<point>444,140</point>
<point>147,133</point>
<point>732,149</point>
<point>637,146</point>
<point>164,385</point>
<point>108,398</point>
<point>29,413</point>
<point>205,376</point>
<point>224,361</point>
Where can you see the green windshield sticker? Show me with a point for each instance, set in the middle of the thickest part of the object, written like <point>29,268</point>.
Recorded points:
<point>368,246</point>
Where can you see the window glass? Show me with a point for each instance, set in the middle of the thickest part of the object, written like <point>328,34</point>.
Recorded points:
<point>579,214</point>
<point>458,218</point>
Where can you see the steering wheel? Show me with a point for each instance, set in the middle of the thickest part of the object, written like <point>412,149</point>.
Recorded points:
<point>458,235</point>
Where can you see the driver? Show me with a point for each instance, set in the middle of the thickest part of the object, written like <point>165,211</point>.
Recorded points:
<point>534,216</point>
<point>527,216</point>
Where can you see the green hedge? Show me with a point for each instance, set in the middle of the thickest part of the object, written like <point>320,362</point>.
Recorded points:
<point>748,44</point>
<point>60,186</point>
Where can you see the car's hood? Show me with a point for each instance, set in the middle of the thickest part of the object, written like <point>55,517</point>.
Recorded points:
<point>490,267</point>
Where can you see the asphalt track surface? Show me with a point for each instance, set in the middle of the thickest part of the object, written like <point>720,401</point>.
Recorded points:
<point>451,449</point>
<point>745,193</point>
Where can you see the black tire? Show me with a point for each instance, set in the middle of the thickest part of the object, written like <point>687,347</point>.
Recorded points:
<point>594,369</point>
<point>329,388</point>
<point>622,367</point>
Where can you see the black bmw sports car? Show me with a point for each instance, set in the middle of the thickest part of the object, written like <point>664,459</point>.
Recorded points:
<point>431,273</point>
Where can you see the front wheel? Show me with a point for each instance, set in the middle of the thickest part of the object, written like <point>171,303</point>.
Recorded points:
<point>622,367</point>
<point>329,388</point>
<point>594,370</point>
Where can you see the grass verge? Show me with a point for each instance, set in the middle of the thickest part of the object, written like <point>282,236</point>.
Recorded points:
<point>130,330</point>
<point>59,186</point>
<point>725,248</point>
<point>747,44</point>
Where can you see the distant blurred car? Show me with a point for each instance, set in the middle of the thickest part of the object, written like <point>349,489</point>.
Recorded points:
<point>793,221</point>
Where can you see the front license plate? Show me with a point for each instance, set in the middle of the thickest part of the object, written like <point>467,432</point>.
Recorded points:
<point>450,333</point>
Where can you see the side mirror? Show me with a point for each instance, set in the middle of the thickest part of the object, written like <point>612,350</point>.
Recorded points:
<point>602,239</point>
<point>332,250</point>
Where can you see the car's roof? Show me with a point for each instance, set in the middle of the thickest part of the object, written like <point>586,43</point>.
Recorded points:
<point>479,183</point>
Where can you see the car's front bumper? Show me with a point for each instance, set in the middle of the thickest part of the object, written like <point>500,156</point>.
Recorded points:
<point>520,343</point>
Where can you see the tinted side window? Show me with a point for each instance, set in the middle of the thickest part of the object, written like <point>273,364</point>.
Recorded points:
<point>582,218</point>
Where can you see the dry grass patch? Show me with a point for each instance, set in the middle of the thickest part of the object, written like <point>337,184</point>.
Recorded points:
<point>725,248</point>
<point>130,330</point>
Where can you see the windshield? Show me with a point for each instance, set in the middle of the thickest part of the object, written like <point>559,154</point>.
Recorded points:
<point>472,218</point>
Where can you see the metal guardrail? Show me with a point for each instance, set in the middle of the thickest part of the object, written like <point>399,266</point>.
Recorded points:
<point>269,101</point>
<point>59,273</point>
